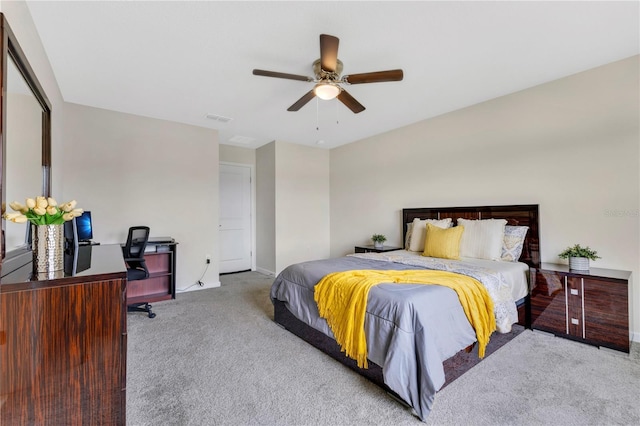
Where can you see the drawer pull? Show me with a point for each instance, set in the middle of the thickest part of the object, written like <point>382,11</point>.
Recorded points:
<point>574,291</point>
<point>575,321</point>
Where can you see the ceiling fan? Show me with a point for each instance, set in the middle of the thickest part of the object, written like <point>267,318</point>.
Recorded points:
<point>327,79</point>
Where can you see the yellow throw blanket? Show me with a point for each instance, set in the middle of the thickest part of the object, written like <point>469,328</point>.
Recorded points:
<point>342,301</point>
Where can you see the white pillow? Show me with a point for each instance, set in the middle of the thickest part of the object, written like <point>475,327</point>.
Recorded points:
<point>482,239</point>
<point>416,242</point>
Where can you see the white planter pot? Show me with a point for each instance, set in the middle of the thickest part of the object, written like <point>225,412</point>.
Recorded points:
<point>579,263</point>
<point>378,244</point>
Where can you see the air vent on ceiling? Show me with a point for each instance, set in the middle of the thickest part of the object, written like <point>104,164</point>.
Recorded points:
<point>219,118</point>
<point>245,140</point>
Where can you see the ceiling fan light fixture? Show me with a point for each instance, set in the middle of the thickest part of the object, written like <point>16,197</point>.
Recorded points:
<point>326,91</point>
<point>328,83</point>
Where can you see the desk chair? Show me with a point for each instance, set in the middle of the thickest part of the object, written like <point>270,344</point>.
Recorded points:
<point>133,253</point>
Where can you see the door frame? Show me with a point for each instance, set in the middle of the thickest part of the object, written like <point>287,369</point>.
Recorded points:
<point>252,177</point>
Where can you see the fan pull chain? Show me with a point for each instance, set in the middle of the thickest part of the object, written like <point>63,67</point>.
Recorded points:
<point>337,120</point>
<point>317,115</point>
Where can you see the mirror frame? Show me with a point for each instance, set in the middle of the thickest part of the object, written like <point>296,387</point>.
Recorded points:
<point>11,50</point>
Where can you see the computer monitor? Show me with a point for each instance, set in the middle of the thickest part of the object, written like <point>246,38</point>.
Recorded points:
<point>27,235</point>
<point>84,227</point>
<point>77,259</point>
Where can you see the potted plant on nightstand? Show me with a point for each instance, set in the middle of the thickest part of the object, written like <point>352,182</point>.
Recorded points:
<point>579,257</point>
<point>378,240</point>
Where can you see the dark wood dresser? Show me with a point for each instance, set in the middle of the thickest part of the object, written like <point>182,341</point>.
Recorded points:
<point>63,343</point>
<point>587,306</point>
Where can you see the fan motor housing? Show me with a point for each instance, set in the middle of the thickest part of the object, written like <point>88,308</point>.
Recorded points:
<point>326,75</point>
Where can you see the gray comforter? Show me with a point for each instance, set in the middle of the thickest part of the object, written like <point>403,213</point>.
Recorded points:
<point>410,329</point>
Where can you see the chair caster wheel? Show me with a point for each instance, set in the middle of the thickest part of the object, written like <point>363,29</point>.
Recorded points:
<point>148,309</point>
<point>140,308</point>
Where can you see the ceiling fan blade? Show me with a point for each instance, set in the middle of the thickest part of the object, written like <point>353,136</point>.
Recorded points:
<point>329,52</point>
<point>350,102</point>
<point>374,77</point>
<point>282,75</point>
<point>302,101</point>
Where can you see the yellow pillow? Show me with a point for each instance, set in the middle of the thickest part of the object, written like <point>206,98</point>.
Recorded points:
<point>443,243</point>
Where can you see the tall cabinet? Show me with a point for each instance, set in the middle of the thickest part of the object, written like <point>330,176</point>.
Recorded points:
<point>63,344</point>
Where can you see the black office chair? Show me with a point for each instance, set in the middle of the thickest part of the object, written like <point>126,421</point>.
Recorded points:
<point>133,253</point>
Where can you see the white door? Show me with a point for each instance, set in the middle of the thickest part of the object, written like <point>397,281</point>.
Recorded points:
<point>235,218</point>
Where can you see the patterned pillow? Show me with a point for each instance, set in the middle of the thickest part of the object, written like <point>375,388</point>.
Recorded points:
<point>407,238</point>
<point>513,242</point>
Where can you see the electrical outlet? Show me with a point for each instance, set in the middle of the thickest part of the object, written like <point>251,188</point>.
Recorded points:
<point>208,259</point>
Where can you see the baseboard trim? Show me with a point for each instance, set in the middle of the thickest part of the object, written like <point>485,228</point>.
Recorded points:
<point>196,287</point>
<point>234,272</point>
<point>635,337</point>
<point>266,272</point>
<point>209,285</point>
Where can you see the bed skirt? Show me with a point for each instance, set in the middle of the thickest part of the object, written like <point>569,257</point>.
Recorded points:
<point>454,367</point>
<point>289,322</point>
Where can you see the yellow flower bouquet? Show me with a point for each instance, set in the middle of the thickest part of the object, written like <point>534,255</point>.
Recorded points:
<point>42,211</point>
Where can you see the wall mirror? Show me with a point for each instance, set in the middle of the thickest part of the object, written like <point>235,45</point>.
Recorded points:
<point>25,136</point>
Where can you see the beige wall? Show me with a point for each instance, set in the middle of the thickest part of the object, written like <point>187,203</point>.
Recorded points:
<point>236,154</point>
<point>266,208</point>
<point>302,204</point>
<point>293,205</point>
<point>130,170</point>
<point>571,146</point>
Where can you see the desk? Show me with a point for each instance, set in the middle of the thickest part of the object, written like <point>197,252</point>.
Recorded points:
<point>63,343</point>
<point>160,258</point>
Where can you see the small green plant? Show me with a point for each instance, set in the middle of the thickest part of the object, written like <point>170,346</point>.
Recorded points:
<point>378,238</point>
<point>579,251</point>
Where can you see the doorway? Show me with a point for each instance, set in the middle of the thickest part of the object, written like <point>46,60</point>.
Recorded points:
<point>235,227</point>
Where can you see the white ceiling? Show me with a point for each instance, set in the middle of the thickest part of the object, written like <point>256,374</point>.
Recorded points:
<point>179,60</point>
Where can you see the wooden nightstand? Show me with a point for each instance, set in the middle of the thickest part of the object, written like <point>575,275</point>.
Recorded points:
<point>587,306</point>
<point>372,249</point>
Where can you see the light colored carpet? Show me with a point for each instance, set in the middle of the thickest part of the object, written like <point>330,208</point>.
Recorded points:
<point>215,357</point>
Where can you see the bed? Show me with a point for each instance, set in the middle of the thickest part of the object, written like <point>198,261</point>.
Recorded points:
<point>411,329</point>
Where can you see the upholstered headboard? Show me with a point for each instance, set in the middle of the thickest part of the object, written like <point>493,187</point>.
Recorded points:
<point>522,215</point>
